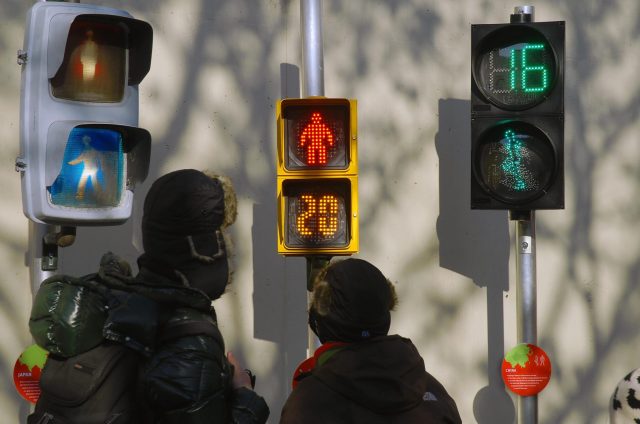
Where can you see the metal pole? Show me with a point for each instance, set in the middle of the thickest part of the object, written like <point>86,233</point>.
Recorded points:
<point>312,56</point>
<point>526,10</point>
<point>42,257</point>
<point>312,85</point>
<point>526,303</point>
<point>314,265</point>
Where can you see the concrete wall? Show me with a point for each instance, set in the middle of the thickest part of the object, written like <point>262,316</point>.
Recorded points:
<point>219,66</point>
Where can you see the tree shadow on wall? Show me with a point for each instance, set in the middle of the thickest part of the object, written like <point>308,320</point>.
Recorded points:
<point>474,244</point>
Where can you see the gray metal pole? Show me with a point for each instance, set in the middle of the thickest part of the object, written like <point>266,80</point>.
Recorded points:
<point>526,301</point>
<point>525,10</point>
<point>526,304</point>
<point>312,85</point>
<point>312,55</point>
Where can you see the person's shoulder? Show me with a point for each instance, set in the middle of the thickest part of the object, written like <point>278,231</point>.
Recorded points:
<point>309,403</point>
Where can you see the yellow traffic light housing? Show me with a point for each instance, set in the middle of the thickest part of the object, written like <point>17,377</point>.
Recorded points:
<point>317,182</point>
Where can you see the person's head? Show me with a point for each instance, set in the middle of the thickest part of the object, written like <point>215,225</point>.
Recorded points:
<point>352,301</point>
<point>183,215</point>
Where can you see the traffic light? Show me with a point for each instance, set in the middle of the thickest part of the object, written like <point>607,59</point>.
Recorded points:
<point>517,116</point>
<point>317,182</point>
<point>81,152</point>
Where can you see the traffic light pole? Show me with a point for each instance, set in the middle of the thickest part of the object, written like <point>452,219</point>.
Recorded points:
<point>526,301</point>
<point>312,85</point>
<point>312,54</point>
<point>526,288</point>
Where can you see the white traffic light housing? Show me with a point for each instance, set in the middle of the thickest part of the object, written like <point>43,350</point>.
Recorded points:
<point>81,152</point>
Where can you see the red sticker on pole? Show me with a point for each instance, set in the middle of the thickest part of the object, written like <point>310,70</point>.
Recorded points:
<point>526,369</point>
<point>27,371</point>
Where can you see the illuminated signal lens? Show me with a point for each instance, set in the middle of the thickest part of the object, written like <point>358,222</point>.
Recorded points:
<point>94,68</point>
<point>317,137</point>
<point>92,170</point>
<point>516,162</point>
<point>515,67</point>
<point>317,213</point>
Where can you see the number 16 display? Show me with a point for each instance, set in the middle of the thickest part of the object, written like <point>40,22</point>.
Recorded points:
<point>317,177</point>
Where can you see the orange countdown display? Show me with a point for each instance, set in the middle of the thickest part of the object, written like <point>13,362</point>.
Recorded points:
<point>318,215</point>
<point>317,177</point>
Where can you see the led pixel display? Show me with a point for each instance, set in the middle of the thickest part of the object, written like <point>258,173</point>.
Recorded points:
<point>516,162</point>
<point>317,137</point>
<point>515,69</point>
<point>317,214</point>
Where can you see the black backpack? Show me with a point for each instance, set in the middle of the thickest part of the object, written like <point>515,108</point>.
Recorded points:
<point>94,387</point>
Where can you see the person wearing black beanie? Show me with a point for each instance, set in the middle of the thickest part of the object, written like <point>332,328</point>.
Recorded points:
<point>184,215</point>
<point>146,349</point>
<point>188,378</point>
<point>360,374</point>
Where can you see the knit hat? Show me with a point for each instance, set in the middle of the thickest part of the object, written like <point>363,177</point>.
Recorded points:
<point>352,301</point>
<point>183,214</point>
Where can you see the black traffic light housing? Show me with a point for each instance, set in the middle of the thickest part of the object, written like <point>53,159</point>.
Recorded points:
<point>517,116</point>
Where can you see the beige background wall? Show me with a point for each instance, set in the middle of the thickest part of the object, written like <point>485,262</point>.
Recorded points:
<point>219,66</point>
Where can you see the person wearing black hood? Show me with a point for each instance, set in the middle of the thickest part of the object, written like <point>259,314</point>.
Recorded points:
<point>146,349</point>
<point>189,380</point>
<point>360,374</point>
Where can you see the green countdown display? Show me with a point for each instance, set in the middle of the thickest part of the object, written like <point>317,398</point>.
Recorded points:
<point>515,71</point>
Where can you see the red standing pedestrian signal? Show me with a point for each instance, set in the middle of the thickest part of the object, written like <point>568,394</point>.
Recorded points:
<point>316,139</point>
<point>317,177</point>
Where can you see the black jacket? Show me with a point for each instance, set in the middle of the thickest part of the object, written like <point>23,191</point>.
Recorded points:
<point>378,381</point>
<point>184,376</point>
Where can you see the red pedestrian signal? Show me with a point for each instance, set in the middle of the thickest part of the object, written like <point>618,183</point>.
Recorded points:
<point>316,140</point>
<point>317,177</point>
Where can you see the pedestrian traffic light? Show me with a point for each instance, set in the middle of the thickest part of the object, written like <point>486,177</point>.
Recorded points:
<point>81,152</point>
<point>317,182</point>
<point>517,116</point>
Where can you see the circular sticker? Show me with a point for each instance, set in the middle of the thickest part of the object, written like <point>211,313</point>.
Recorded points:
<point>526,369</point>
<point>27,370</point>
